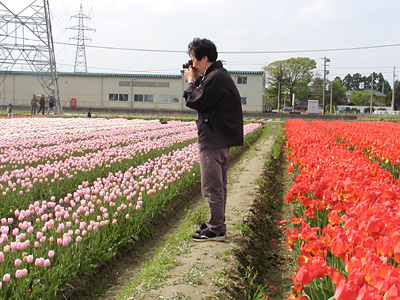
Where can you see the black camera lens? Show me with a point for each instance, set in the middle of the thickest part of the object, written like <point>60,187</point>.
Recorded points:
<point>188,64</point>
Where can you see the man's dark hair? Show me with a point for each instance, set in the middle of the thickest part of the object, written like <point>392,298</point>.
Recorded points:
<point>203,47</point>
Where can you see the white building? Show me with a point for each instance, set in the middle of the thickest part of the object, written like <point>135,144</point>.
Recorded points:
<point>123,91</point>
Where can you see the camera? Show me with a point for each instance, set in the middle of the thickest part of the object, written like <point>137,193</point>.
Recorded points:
<point>188,64</point>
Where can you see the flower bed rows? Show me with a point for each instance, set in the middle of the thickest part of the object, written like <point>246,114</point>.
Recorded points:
<point>347,221</point>
<point>45,243</point>
<point>36,166</point>
<point>381,141</point>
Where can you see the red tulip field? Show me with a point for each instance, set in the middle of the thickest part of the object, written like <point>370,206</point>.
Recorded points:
<point>346,194</point>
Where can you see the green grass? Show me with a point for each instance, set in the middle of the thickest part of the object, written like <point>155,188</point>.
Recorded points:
<point>221,279</point>
<point>157,269</point>
<point>195,275</point>
<point>225,255</point>
<point>244,228</point>
<point>378,118</point>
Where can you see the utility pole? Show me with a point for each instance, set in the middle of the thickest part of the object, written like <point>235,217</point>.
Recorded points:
<point>372,89</point>
<point>324,84</point>
<point>279,96</point>
<point>26,39</point>
<point>331,103</point>
<point>394,86</point>
<point>80,57</point>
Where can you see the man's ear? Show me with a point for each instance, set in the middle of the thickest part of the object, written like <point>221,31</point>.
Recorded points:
<point>204,59</point>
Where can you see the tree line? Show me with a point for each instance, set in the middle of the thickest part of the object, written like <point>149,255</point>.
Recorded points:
<point>296,76</point>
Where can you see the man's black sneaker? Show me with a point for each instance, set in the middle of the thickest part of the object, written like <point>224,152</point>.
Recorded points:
<point>202,227</point>
<point>207,235</point>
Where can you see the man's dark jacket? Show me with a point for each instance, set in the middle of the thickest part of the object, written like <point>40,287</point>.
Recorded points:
<point>219,107</point>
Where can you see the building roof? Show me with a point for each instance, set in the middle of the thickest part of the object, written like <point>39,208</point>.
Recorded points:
<point>247,72</point>
<point>95,74</point>
<point>121,74</point>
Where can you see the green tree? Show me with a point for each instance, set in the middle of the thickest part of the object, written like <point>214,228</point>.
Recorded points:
<point>396,96</point>
<point>303,92</point>
<point>338,92</point>
<point>361,98</point>
<point>380,83</point>
<point>357,82</point>
<point>316,88</point>
<point>347,82</point>
<point>290,74</point>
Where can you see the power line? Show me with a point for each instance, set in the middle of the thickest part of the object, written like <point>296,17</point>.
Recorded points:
<point>233,62</point>
<point>126,49</point>
<point>363,67</point>
<point>239,52</point>
<point>312,50</point>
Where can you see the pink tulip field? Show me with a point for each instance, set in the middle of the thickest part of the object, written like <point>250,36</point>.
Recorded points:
<point>74,190</point>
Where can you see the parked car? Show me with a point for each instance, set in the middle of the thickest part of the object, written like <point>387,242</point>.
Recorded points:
<point>288,108</point>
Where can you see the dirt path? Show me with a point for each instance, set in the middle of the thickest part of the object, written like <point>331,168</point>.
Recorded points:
<point>203,261</point>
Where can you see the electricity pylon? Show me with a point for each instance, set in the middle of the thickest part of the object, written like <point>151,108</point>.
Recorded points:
<point>26,39</point>
<point>80,57</point>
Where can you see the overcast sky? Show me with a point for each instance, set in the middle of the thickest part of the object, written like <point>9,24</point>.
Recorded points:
<point>279,29</point>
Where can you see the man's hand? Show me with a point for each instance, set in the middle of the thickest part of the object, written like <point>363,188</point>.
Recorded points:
<point>191,74</point>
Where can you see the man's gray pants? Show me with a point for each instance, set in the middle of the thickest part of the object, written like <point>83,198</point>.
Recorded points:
<point>214,164</point>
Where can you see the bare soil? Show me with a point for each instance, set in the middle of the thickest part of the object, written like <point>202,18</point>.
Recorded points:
<point>252,256</point>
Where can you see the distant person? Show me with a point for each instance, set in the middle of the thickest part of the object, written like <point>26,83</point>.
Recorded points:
<point>52,105</point>
<point>89,114</point>
<point>42,103</point>
<point>10,110</point>
<point>34,105</point>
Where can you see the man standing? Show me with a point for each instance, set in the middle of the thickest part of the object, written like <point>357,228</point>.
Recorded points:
<point>213,94</point>
<point>42,103</point>
<point>33,105</point>
<point>52,104</point>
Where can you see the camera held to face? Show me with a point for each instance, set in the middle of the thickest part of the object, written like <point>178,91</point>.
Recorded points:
<point>188,64</point>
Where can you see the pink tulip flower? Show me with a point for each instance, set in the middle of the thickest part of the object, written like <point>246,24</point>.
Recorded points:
<point>17,262</point>
<point>46,263</point>
<point>19,274</point>
<point>6,277</point>
<point>39,262</point>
